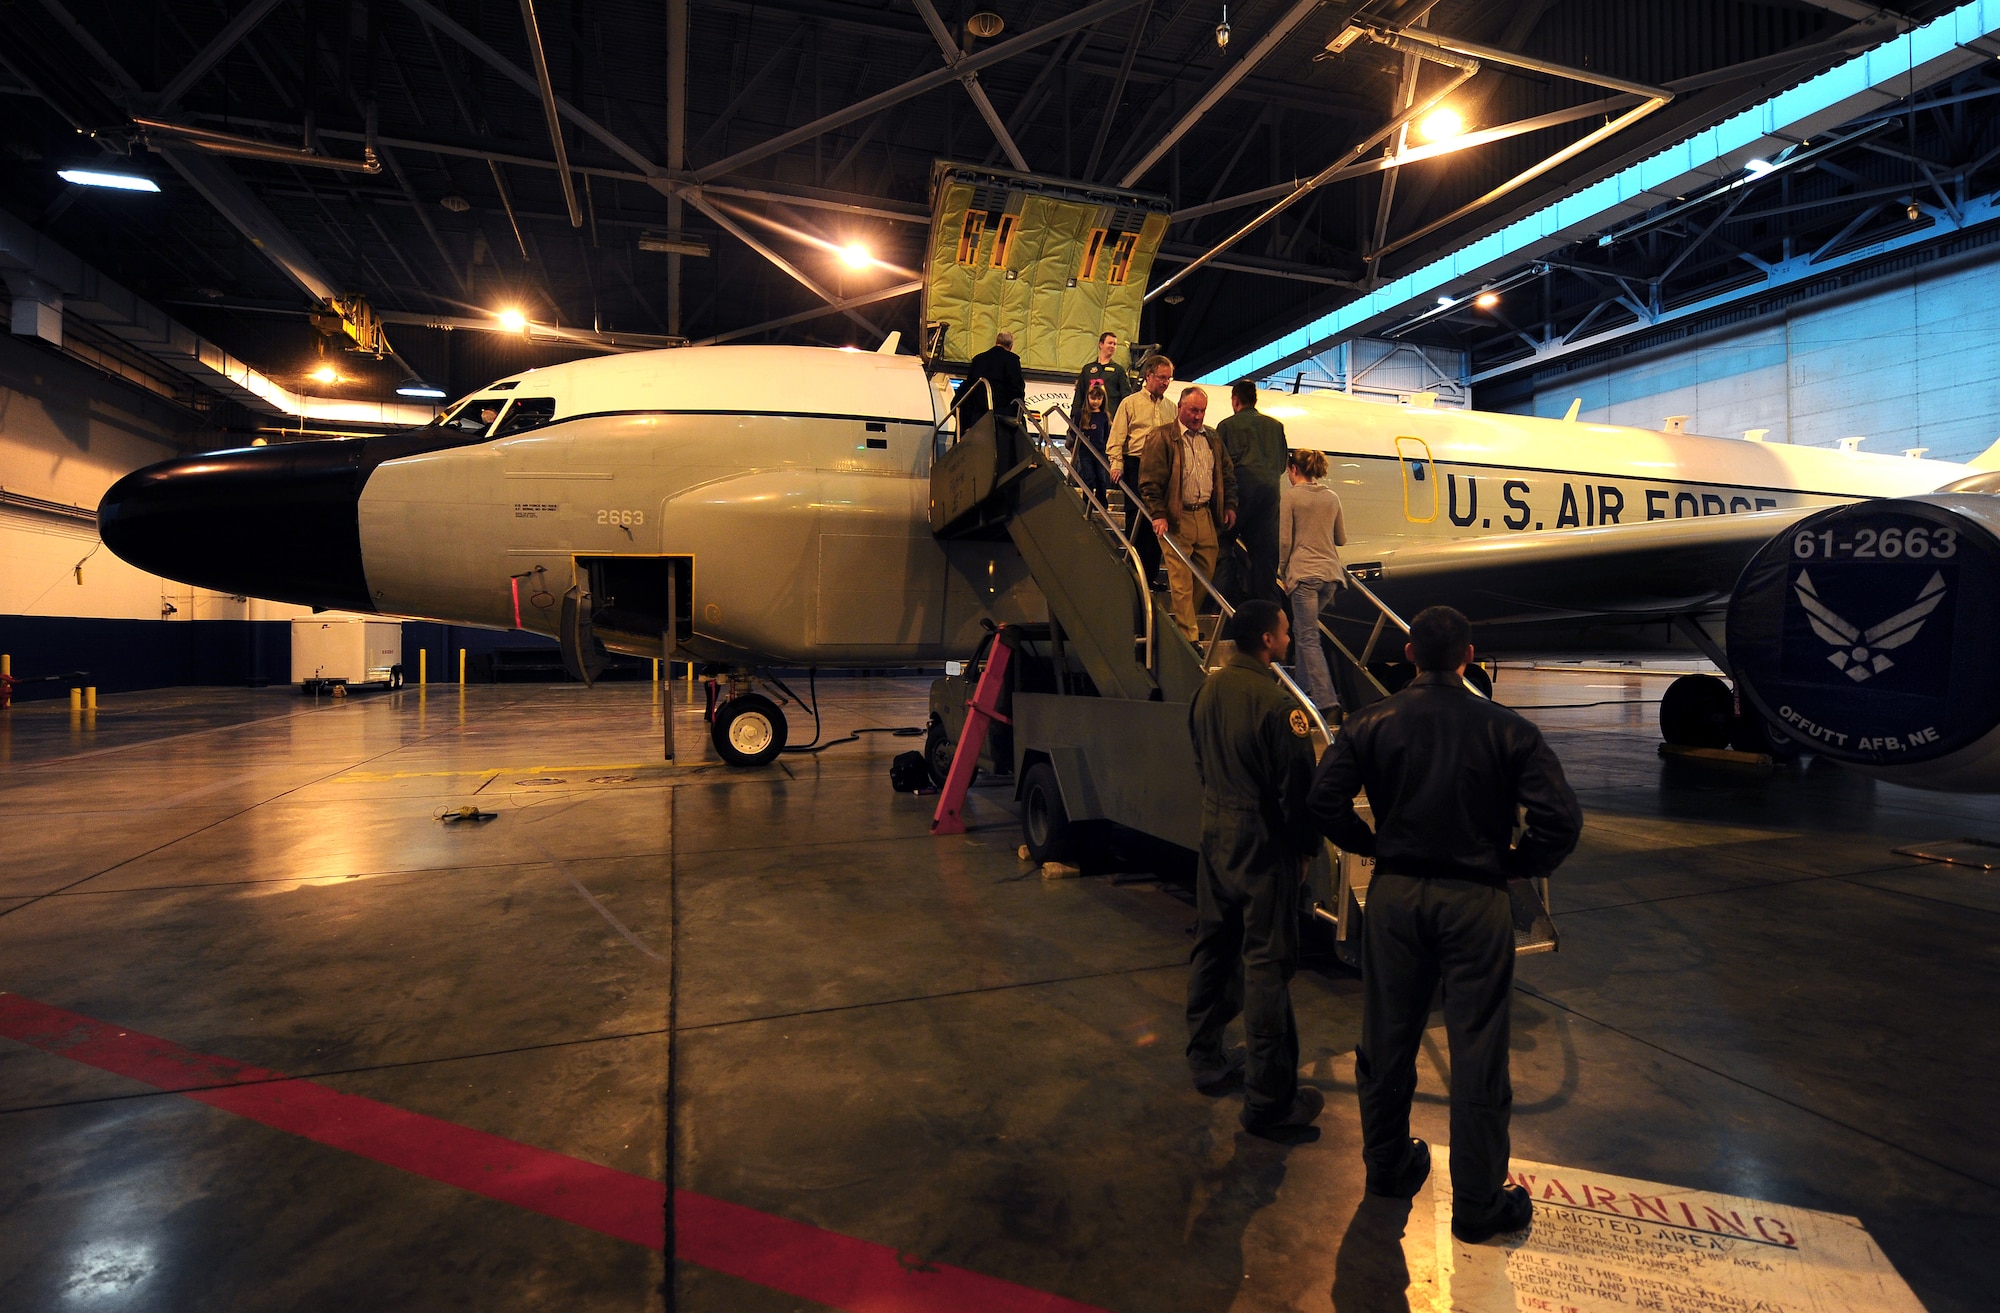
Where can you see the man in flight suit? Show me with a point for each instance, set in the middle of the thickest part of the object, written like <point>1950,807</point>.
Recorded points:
<point>1119,382</point>
<point>1253,753</point>
<point>1445,771</point>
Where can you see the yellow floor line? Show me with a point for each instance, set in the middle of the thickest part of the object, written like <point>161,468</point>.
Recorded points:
<point>373,776</point>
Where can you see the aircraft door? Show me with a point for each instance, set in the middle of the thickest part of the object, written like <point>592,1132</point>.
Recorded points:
<point>582,654</point>
<point>1420,492</point>
<point>633,603</point>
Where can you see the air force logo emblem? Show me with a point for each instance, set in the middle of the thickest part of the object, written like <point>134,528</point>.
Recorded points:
<point>1858,653</point>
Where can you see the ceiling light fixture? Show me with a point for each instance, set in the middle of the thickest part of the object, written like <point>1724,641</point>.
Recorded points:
<point>424,390</point>
<point>1222,30</point>
<point>1442,125</point>
<point>1348,36</point>
<point>1487,300</point>
<point>856,256</point>
<point>325,374</point>
<point>1445,300</point>
<point>113,178</point>
<point>1758,168</point>
<point>513,320</point>
<point>673,243</point>
<point>985,24</point>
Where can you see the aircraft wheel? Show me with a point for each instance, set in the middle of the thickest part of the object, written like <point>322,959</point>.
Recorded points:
<point>1698,711</point>
<point>1044,821</point>
<point>1753,733</point>
<point>748,730</point>
<point>938,750</point>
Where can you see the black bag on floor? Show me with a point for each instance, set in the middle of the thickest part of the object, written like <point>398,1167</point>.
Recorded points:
<point>908,773</point>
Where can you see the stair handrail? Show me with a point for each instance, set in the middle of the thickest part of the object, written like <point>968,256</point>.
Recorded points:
<point>951,413</point>
<point>1389,614</point>
<point>1227,611</point>
<point>1096,509</point>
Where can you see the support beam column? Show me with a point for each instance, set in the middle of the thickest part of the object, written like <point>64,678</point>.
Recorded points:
<point>952,55</point>
<point>225,41</point>
<point>1221,87</point>
<point>677,105</point>
<point>917,86</point>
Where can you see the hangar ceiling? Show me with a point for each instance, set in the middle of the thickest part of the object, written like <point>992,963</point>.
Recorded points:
<point>1904,185</point>
<point>781,131</point>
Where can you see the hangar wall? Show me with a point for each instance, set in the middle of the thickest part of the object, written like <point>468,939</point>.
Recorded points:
<point>66,434</point>
<point>1910,362</point>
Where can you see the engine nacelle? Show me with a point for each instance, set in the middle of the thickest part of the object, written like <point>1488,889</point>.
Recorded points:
<point>1870,633</point>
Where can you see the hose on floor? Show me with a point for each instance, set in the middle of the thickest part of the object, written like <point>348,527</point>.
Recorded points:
<point>815,747</point>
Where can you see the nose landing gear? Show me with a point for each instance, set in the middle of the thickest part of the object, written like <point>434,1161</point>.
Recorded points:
<point>747,728</point>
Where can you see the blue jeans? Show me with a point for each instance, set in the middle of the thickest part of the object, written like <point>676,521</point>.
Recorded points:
<point>1309,597</point>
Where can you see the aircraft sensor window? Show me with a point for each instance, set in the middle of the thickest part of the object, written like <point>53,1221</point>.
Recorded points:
<point>526,413</point>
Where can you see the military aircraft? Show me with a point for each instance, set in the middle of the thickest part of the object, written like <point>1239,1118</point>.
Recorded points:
<point>760,507</point>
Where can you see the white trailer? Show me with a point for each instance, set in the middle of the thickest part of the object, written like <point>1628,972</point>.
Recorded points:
<point>334,647</point>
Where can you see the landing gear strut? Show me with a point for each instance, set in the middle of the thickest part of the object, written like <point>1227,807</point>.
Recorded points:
<point>746,728</point>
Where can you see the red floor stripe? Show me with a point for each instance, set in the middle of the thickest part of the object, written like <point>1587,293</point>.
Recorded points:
<point>794,1257</point>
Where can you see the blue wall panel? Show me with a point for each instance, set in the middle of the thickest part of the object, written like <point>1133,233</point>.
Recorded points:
<point>124,655</point>
<point>1914,363</point>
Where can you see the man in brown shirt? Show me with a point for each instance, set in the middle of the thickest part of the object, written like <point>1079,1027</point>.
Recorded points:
<point>1189,487</point>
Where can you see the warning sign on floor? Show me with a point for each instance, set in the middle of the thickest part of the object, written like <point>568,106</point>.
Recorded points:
<point>1606,1244</point>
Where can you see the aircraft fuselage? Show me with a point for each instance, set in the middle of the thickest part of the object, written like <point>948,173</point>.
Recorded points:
<point>795,483</point>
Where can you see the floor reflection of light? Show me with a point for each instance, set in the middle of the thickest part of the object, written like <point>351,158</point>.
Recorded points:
<point>107,1270</point>
<point>336,854</point>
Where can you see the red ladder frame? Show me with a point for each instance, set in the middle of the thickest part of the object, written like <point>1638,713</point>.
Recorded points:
<point>980,714</point>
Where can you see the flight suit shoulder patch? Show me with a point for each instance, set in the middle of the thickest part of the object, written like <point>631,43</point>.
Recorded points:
<point>1300,725</point>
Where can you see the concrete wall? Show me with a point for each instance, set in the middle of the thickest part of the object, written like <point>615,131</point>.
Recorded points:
<point>67,433</point>
<point>1909,363</point>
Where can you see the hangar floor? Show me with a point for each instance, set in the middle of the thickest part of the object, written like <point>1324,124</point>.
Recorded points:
<point>918,1045</point>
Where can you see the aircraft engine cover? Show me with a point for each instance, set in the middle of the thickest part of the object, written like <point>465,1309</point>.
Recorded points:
<point>1870,633</point>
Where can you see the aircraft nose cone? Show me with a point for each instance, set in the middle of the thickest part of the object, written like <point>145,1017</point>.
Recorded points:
<point>273,522</point>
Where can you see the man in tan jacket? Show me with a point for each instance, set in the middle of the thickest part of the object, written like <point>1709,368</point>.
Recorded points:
<point>1189,487</point>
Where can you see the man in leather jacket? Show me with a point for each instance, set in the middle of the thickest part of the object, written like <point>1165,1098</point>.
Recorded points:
<point>1445,771</point>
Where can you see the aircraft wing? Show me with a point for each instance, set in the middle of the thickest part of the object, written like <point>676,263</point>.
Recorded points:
<point>1652,570</point>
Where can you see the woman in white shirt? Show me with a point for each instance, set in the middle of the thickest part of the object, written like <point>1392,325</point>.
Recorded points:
<point>1310,528</point>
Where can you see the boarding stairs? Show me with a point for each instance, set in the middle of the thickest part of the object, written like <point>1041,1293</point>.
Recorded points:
<point>1123,755</point>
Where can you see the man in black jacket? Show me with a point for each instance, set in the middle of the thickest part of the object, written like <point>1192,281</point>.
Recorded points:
<point>1445,771</point>
<point>999,366</point>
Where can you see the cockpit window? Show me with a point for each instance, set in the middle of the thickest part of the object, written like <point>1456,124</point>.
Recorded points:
<point>526,413</point>
<point>472,416</point>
